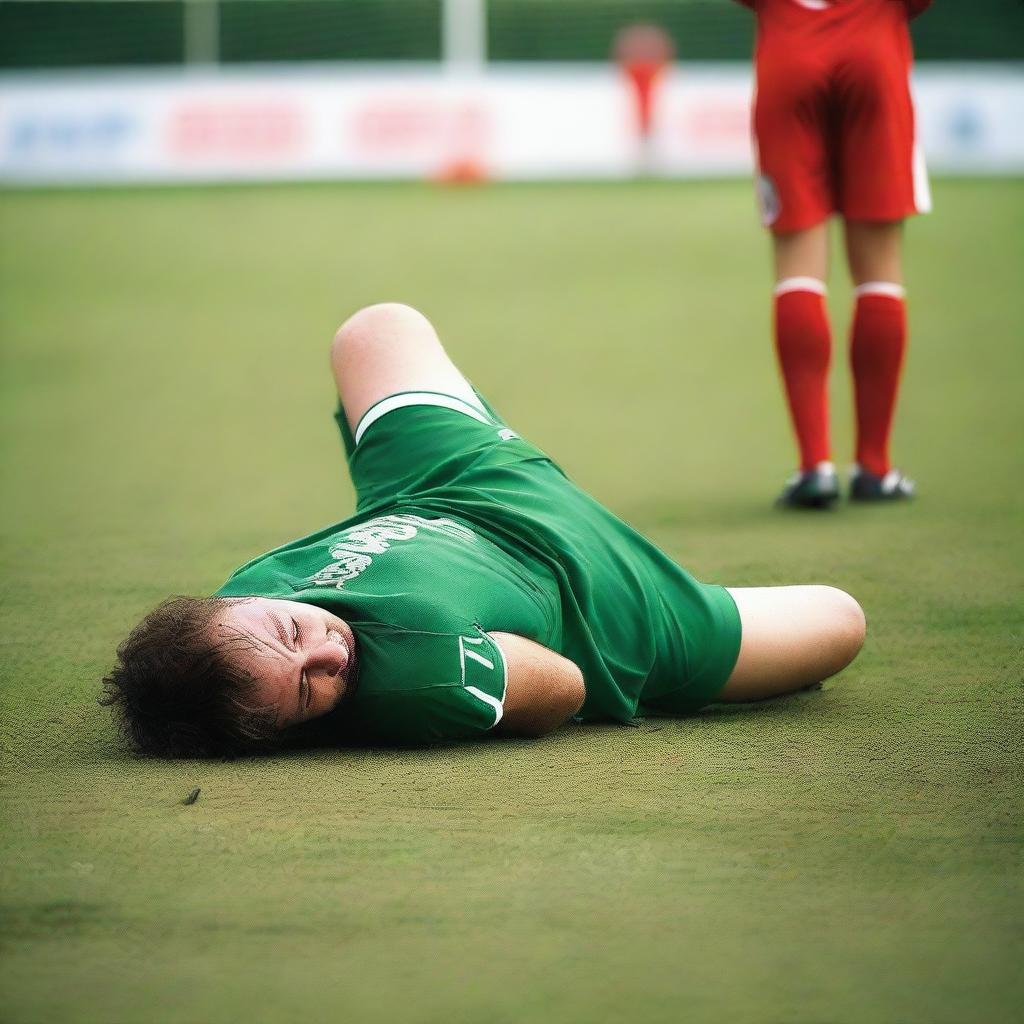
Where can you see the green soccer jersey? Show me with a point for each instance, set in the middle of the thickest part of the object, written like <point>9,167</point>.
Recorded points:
<point>463,529</point>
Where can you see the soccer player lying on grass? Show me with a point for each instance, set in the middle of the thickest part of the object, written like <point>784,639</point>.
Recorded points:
<point>476,590</point>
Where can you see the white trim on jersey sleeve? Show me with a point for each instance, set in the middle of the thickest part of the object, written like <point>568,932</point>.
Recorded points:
<point>494,702</point>
<point>499,708</point>
<point>407,398</point>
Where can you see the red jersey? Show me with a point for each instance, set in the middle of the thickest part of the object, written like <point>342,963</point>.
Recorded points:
<point>794,11</point>
<point>818,23</point>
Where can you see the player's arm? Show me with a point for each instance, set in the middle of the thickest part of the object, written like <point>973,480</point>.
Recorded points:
<point>543,688</point>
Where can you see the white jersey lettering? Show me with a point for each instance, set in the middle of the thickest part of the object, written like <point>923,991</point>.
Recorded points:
<point>352,549</point>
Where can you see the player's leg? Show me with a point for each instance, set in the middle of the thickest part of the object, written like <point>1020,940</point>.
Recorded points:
<point>389,348</point>
<point>792,637</point>
<point>878,341</point>
<point>796,194</point>
<point>408,416</point>
<point>801,254</point>
<point>803,344</point>
<point>883,181</point>
<point>874,251</point>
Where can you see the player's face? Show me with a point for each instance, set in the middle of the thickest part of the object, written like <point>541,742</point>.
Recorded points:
<point>301,657</point>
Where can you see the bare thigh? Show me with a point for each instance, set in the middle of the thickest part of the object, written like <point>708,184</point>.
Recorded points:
<point>801,253</point>
<point>792,637</point>
<point>874,251</point>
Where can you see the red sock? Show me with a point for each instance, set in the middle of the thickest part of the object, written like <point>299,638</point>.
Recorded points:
<point>804,346</point>
<point>878,341</point>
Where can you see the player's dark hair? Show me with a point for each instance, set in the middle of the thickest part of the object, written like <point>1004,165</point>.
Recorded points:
<point>178,692</point>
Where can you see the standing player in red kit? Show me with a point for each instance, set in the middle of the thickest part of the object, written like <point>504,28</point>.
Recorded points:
<point>834,133</point>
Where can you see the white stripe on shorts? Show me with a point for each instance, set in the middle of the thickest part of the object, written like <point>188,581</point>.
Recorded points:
<point>918,171</point>
<point>922,190</point>
<point>400,401</point>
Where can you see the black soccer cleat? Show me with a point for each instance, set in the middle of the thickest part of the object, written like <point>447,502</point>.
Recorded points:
<point>894,486</point>
<point>811,488</point>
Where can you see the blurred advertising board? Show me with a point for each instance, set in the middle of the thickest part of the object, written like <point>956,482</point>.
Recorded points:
<point>510,122</point>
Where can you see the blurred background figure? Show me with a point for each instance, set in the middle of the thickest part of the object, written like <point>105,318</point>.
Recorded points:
<point>834,133</point>
<point>644,52</point>
<point>105,91</point>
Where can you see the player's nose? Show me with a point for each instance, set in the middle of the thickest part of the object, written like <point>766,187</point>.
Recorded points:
<point>329,659</point>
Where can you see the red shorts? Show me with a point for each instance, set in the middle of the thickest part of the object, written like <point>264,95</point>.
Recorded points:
<point>834,132</point>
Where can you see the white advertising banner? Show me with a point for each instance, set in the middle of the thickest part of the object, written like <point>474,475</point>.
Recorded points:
<point>413,122</point>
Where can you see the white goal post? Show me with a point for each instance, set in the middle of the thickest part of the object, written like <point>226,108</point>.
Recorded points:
<point>463,31</point>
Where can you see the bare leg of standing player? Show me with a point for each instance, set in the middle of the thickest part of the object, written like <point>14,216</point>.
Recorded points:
<point>878,342</point>
<point>803,345</point>
<point>878,337</point>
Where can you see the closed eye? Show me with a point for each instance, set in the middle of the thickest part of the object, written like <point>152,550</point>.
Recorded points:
<point>296,635</point>
<point>280,630</point>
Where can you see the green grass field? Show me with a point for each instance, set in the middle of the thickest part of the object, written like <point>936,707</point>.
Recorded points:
<point>851,855</point>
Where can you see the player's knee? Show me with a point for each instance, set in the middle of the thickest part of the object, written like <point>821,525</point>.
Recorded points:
<point>375,326</point>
